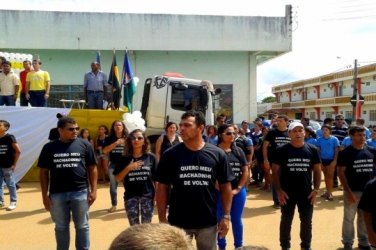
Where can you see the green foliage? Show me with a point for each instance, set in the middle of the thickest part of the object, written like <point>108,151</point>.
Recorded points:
<point>268,99</point>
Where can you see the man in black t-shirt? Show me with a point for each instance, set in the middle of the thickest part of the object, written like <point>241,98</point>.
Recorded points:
<point>191,169</point>
<point>292,176</point>
<point>368,206</point>
<point>355,168</point>
<point>275,138</point>
<point>67,167</point>
<point>9,154</point>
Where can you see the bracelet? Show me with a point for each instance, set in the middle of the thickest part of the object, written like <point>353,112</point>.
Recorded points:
<point>227,217</point>
<point>315,190</point>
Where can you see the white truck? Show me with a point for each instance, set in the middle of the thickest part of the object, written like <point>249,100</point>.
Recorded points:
<point>166,98</point>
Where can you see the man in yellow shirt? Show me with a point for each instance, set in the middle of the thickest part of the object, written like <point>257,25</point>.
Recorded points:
<point>37,85</point>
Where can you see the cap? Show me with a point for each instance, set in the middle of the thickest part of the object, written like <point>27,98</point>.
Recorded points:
<point>294,125</point>
<point>310,129</point>
<point>265,124</point>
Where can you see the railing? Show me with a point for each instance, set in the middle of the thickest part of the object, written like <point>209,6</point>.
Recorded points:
<point>69,92</point>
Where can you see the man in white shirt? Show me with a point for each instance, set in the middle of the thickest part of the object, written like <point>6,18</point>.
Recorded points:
<point>9,85</point>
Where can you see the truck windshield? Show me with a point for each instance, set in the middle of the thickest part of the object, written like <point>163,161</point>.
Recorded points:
<point>191,98</point>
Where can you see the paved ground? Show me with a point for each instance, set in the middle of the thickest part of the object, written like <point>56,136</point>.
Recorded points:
<point>30,227</point>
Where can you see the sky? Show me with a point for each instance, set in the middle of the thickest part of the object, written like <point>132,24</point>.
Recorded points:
<point>328,35</point>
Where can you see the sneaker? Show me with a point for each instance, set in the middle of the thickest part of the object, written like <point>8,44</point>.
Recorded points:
<point>277,206</point>
<point>361,247</point>
<point>112,209</point>
<point>329,197</point>
<point>12,206</point>
<point>324,195</point>
<point>347,246</point>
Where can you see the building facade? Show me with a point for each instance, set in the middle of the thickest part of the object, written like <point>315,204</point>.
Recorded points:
<point>223,49</point>
<point>327,95</point>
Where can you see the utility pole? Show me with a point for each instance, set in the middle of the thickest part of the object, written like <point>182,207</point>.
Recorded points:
<point>355,90</point>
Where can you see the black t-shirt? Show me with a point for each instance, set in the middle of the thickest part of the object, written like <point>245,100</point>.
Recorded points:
<point>6,150</point>
<point>367,201</point>
<point>276,138</point>
<point>237,162</point>
<point>117,152</point>
<point>67,163</point>
<point>138,182</point>
<point>54,134</point>
<point>166,144</point>
<point>359,166</point>
<point>192,176</point>
<point>296,167</point>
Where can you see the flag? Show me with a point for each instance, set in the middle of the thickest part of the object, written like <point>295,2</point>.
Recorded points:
<point>98,57</point>
<point>129,84</point>
<point>113,80</point>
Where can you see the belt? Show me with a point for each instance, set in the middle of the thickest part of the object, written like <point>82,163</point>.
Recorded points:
<point>95,91</point>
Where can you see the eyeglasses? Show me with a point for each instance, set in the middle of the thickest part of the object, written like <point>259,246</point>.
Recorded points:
<point>229,133</point>
<point>139,138</point>
<point>73,129</point>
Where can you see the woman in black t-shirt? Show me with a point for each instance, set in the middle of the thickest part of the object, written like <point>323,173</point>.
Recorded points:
<point>136,169</point>
<point>167,139</point>
<point>238,164</point>
<point>114,146</point>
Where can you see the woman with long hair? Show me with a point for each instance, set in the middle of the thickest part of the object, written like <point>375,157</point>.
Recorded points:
<point>211,132</point>
<point>136,169</point>
<point>114,146</point>
<point>167,140</point>
<point>102,159</point>
<point>238,164</point>
<point>85,134</point>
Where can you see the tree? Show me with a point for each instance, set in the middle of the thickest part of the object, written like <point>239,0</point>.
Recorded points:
<point>268,99</point>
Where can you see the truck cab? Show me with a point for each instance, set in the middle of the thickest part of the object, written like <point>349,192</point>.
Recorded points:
<point>166,98</point>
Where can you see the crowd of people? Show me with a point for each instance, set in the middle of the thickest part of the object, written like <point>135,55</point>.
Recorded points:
<point>209,165</point>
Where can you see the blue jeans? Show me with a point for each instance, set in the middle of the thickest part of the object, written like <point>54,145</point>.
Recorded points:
<point>65,205</point>
<point>23,101</point>
<point>37,98</point>
<point>348,230</point>
<point>7,174</point>
<point>7,100</point>
<point>305,209</point>
<point>113,184</point>
<point>237,206</point>
<point>95,99</point>
<point>205,237</point>
<point>139,205</point>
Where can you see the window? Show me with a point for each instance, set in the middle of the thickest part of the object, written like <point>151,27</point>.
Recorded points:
<point>348,115</point>
<point>329,114</point>
<point>188,98</point>
<point>312,115</point>
<point>368,83</point>
<point>372,115</point>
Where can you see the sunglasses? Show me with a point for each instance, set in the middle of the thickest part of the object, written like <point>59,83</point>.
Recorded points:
<point>73,129</point>
<point>229,133</point>
<point>139,138</point>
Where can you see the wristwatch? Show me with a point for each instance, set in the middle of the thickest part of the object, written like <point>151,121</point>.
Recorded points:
<point>315,190</point>
<point>227,216</point>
